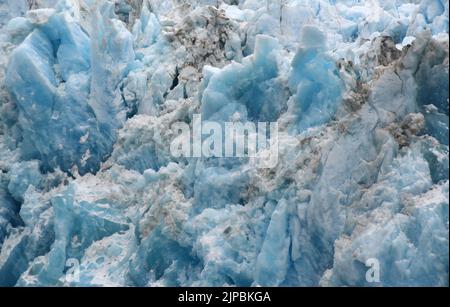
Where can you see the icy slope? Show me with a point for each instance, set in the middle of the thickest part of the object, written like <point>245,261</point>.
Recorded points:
<point>90,194</point>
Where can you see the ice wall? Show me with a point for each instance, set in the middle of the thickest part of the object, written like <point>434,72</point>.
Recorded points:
<point>89,93</point>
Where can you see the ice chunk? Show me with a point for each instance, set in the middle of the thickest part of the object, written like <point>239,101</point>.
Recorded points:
<point>18,29</point>
<point>77,226</point>
<point>258,89</point>
<point>273,261</point>
<point>315,81</point>
<point>49,77</point>
<point>24,175</point>
<point>147,29</point>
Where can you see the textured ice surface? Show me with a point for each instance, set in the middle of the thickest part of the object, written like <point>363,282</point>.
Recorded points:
<point>90,194</point>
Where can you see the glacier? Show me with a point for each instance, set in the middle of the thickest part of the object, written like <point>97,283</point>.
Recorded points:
<point>90,91</point>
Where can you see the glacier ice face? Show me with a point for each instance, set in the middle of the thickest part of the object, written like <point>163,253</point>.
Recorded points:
<point>51,73</point>
<point>89,94</point>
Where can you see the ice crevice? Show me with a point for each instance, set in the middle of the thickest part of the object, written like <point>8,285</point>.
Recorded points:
<point>89,93</point>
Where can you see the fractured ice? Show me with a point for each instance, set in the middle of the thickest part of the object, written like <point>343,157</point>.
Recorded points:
<point>90,91</point>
